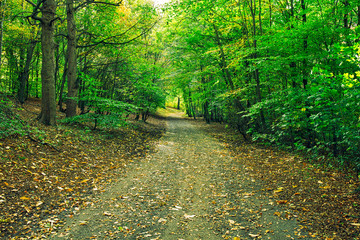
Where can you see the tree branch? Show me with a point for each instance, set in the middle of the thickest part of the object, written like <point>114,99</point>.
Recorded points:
<point>35,10</point>
<point>33,4</point>
<point>104,41</point>
<point>87,2</point>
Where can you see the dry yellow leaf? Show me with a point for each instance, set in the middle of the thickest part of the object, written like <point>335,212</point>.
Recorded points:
<point>277,214</point>
<point>24,198</point>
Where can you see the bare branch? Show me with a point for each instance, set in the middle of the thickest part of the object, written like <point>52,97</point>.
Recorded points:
<point>87,2</point>
<point>104,41</point>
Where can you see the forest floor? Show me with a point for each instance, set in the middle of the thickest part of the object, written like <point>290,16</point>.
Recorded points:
<point>194,181</point>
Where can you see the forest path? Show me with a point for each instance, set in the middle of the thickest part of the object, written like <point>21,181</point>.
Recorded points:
<point>191,188</point>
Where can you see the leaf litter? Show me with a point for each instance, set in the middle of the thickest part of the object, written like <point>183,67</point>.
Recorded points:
<point>42,184</point>
<point>96,188</point>
<point>324,201</point>
<point>184,191</point>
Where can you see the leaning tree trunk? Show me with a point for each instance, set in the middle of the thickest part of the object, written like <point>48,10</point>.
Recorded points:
<point>48,103</point>
<point>71,103</point>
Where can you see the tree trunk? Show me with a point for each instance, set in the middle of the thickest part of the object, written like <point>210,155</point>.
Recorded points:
<point>223,64</point>
<point>48,103</point>
<point>178,104</point>
<point>191,106</point>
<point>2,9</point>
<point>37,73</point>
<point>71,103</point>
<point>61,100</point>
<point>24,75</point>
<point>206,112</point>
<point>346,14</point>
<point>305,44</point>
<point>255,56</point>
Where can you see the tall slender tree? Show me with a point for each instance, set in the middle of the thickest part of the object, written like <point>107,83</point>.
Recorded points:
<point>71,102</point>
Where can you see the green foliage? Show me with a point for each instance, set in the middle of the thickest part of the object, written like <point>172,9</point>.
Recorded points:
<point>324,118</point>
<point>147,96</point>
<point>100,110</point>
<point>10,123</point>
<point>285,73</point>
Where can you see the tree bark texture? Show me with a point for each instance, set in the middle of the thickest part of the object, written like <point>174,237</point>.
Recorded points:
<point>48,103</point>
<point>2,9</point>
<point>71,103</point>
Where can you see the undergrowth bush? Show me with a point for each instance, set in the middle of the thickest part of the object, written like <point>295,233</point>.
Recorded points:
<point>10,123</point>
<point>322,119</point>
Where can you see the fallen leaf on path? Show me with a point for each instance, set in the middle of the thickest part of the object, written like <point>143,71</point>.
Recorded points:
<point>27,209</point>
<point>254,235</point>
<point>107,214</point>
<point>189,216</point>
<point>231,222</point>
<point>162,220</point>
<point>84,181</point>
<point>281,201</point>
<point>277,214</point>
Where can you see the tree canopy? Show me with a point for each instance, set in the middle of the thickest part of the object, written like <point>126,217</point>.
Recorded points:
<point>282,72</point>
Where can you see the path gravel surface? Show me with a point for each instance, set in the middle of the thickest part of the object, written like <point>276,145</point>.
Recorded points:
<point>190,188</point>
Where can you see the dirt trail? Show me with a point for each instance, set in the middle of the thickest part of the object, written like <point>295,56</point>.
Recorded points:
<point>191,188</point>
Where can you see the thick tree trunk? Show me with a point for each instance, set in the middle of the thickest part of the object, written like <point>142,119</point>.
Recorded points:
<point>71,102</point>
<point>48,103</point>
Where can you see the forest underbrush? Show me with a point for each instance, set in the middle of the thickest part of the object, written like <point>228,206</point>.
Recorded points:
<point>46,172</point>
